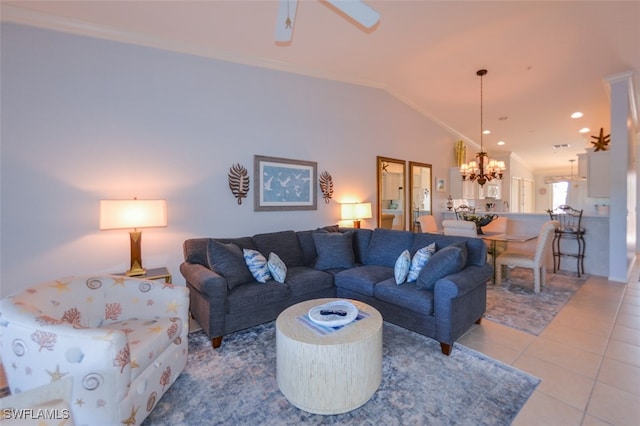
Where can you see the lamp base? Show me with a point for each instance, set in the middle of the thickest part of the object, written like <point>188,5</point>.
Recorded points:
<point>136,255</point>
<point>136,271</point>
<point>356,224</point>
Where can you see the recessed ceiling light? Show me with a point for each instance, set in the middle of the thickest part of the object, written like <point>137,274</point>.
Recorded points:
<point>576,114</point>
<point>486,132</point>
<point>500,143</point>
<point>562,145</point>
<point>584,130</point>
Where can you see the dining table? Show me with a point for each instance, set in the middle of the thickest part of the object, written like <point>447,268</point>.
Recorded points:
<point>496,237</point>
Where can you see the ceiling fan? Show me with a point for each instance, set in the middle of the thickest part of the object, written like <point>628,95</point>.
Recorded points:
<point>354,9</point>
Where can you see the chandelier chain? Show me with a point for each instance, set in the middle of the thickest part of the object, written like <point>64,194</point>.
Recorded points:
<point>483,169</point>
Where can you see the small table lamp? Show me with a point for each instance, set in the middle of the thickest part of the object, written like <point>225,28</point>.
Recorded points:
<point>127,214</point>
<point>356,212</point>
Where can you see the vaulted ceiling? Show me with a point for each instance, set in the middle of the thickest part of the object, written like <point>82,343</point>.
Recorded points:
<point>546,59</point>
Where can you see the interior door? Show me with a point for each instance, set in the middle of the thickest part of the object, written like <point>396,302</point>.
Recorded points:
<point>516,195</point>
<point>527,195</point>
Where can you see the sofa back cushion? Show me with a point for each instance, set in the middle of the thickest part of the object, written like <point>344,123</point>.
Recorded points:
<point>335,250</point>
<point>228,261</point>
<point>361,240</point>
<point>284,243</point>
<point>195,249</point>
<point>308,246</point>
<point>386,245</point>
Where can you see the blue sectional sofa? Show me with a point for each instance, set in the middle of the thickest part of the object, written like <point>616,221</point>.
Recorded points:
<point>448,296</point>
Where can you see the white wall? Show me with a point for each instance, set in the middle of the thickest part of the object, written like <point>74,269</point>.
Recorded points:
<point>86,119</point>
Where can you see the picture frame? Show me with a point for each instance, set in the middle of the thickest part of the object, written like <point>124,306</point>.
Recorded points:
<point>441,184</point>
<point>284,184</point>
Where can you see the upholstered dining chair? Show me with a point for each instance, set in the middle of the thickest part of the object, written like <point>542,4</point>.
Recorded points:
<point>428,224</point>
<point>496,226</point>
<point>386,221</point>
<point>534,261</point>
<point>461,228</point>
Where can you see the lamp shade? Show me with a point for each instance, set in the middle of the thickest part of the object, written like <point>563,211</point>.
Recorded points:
<point>127,214</point>
<point>348,211</point>
<point>362,210</point>
<point>355,211</point>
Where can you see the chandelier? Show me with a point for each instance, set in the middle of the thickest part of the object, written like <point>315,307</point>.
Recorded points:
<point>483,169</point>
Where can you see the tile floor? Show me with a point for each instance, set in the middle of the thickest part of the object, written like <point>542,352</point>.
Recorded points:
<point>588,357</point>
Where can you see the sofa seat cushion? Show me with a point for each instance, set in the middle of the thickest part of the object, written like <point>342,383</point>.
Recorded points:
<point>147,339</point>
<point>407,295</point>
<point>255,295</point>
<point>363,279</point>
<point>304,280</point>
<point>386,245</point>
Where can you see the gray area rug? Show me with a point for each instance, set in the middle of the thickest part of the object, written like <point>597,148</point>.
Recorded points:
<point>515,305</point>
<point>236,385</point>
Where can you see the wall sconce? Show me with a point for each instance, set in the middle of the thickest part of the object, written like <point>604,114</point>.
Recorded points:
<point>127,214</point>
<point>356,212</point>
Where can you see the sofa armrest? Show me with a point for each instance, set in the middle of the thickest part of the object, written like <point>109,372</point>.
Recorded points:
<point>204,280</point>
<point>208,297</point>
<point>460,299</point>
<point>462,282</point>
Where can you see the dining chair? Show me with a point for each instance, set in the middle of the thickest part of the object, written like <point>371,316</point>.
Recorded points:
<point>460,228</point>
<point>428,223</point>
<point>534,261</point>
<point>496,226</point>
<point>570,228</point>
<point>386,221</point>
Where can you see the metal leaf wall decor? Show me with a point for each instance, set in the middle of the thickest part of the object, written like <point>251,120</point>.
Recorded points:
<point>238,182</point>
<point>326,186</point>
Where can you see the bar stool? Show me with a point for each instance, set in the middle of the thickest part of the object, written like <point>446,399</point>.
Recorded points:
<point>570,228</point>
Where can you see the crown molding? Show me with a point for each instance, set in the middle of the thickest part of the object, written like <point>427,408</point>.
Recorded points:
<point>23,16</point>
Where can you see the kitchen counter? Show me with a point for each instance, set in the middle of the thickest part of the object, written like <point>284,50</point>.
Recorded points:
<point>596,260</point>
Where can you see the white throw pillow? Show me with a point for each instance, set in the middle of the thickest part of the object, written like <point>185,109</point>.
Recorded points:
<point>257,265</point>
<point>277,267</point>
<point>401,268</point>
<point>420,259</point>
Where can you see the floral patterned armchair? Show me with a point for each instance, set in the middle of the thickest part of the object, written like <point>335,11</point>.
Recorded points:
<point>123,340</point>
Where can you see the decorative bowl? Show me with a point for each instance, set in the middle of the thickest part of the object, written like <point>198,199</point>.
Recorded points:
<point>333,314</point>
<point>480,220</point>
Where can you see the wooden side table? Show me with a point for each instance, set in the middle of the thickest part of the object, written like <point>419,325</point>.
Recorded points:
<point>332,373</point>
<point>154,274</point>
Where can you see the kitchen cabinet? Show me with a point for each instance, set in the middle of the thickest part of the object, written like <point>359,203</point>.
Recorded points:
<point>598,174</point>
<point>392,186</point>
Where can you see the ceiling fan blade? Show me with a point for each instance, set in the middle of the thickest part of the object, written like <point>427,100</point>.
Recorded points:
<point>285,20</point>
<point>358,11</point>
